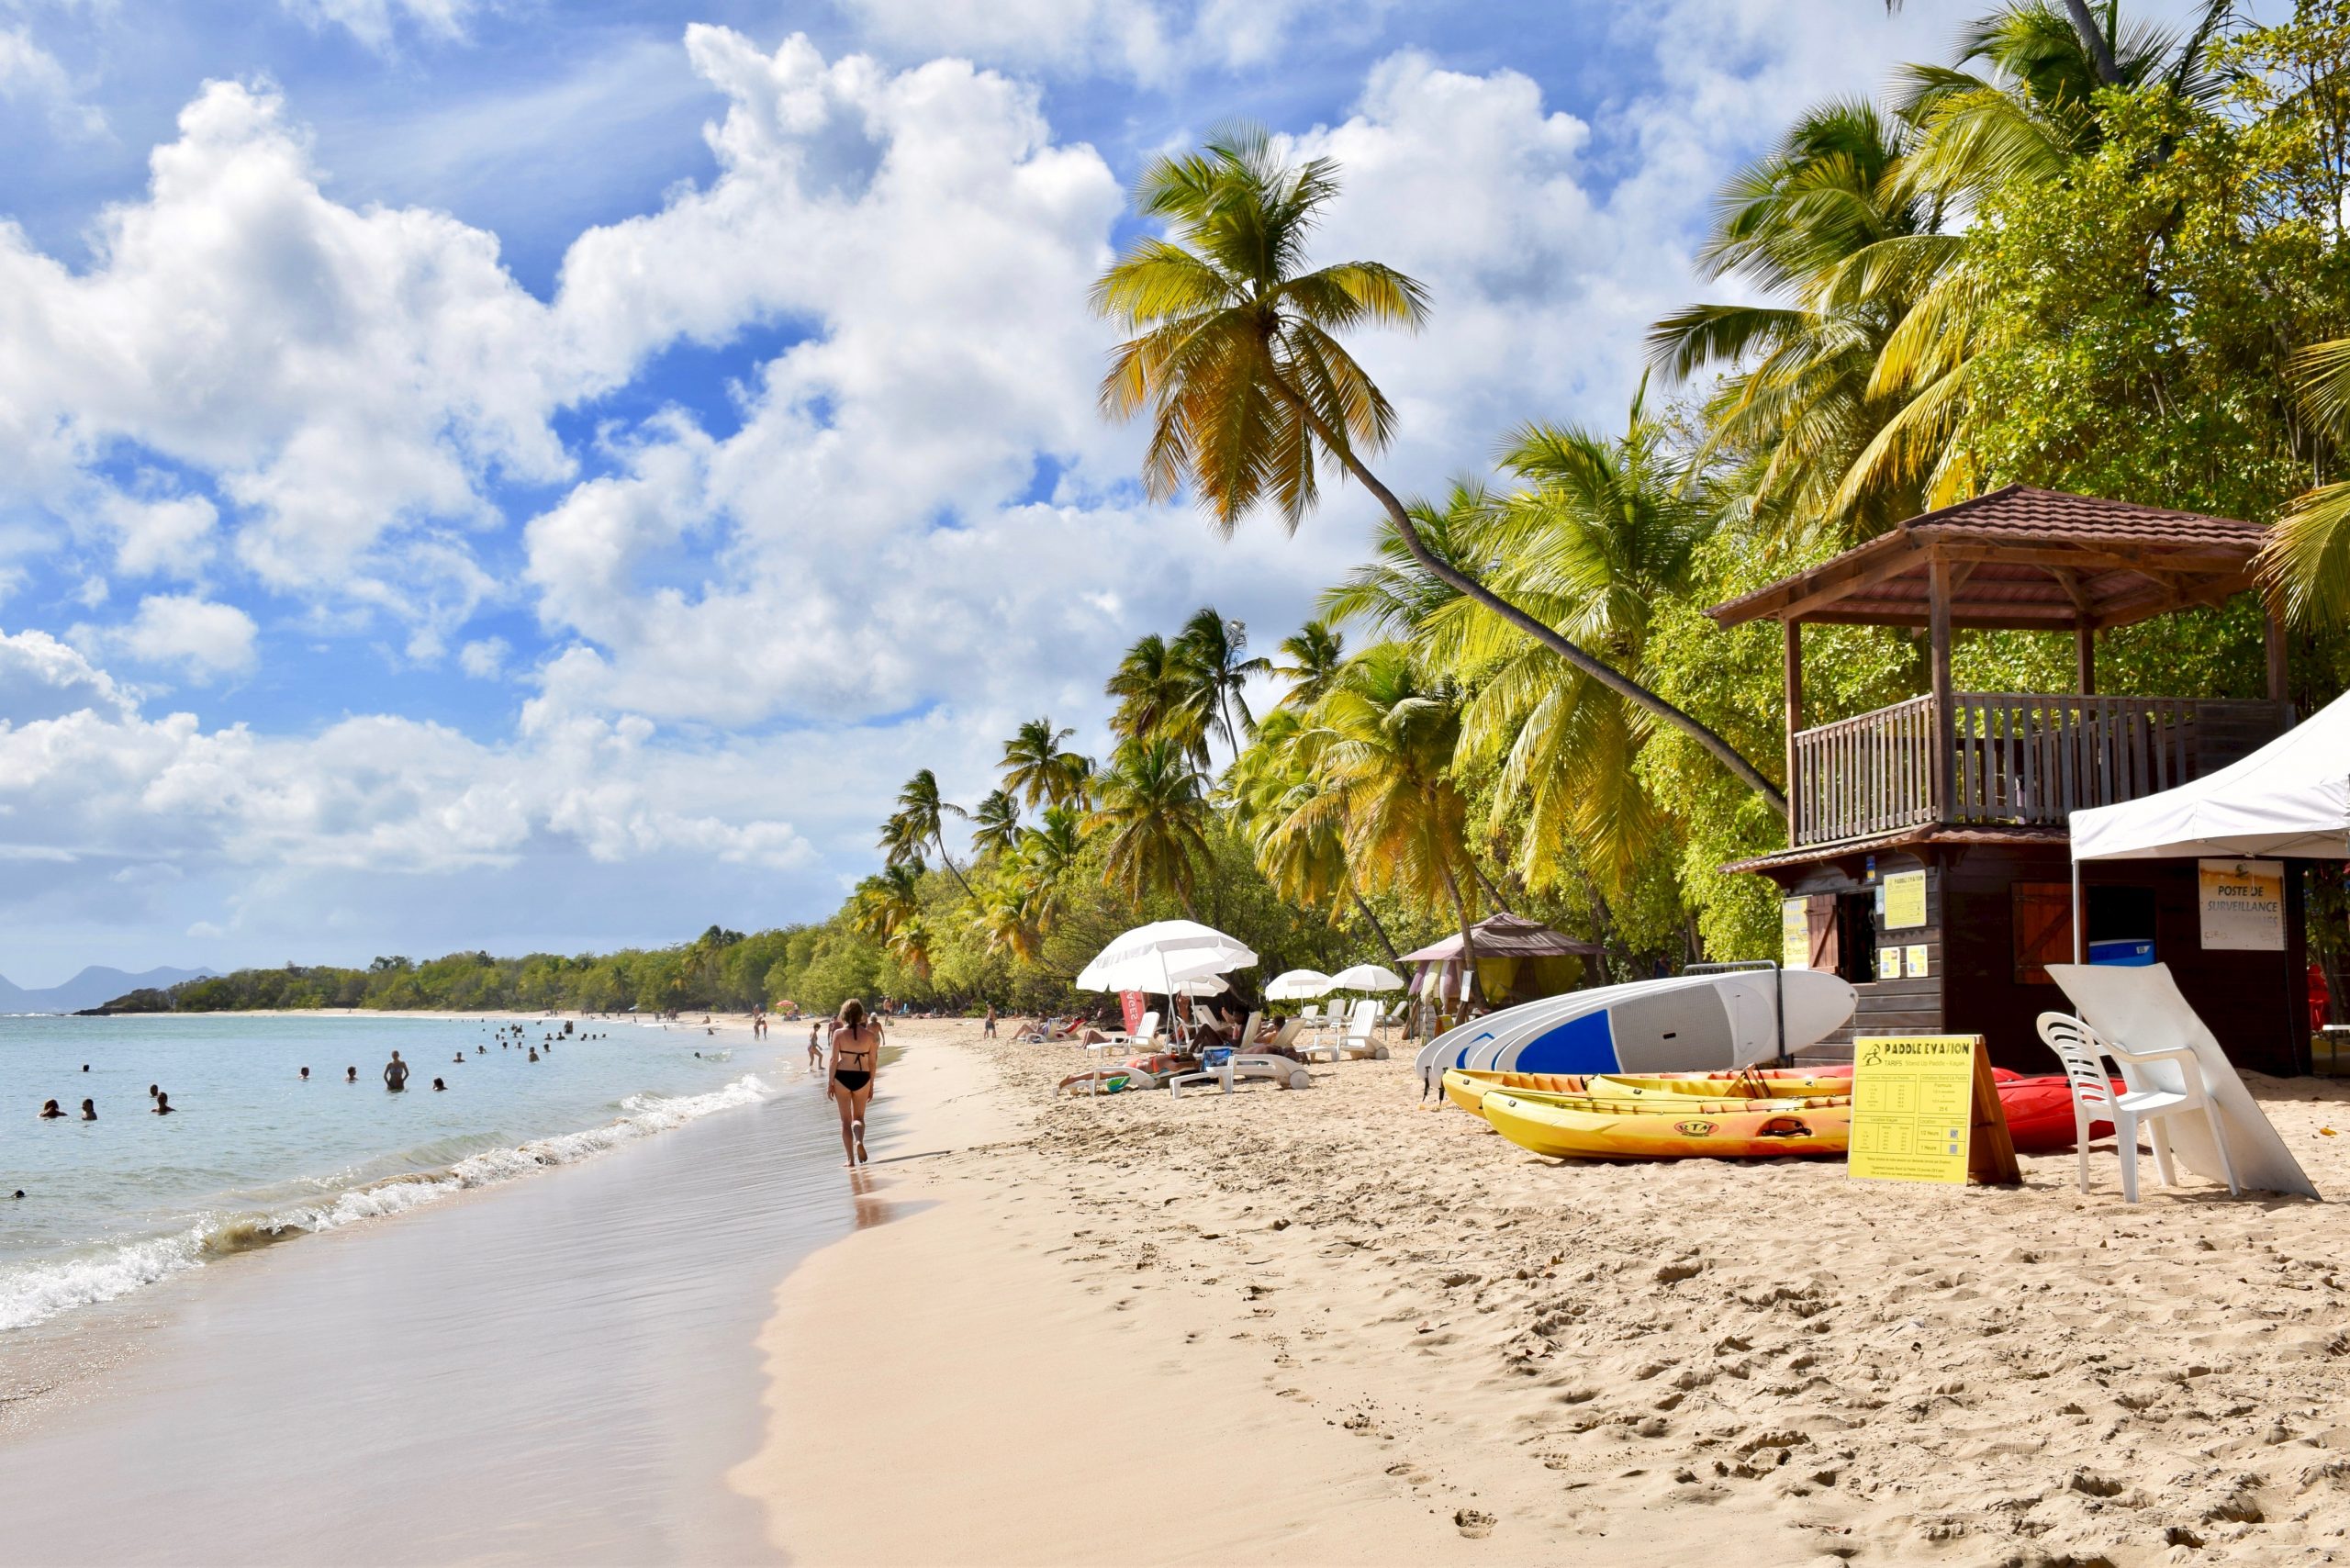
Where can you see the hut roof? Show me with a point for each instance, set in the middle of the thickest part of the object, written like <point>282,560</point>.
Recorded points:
<point>2021,558</point>
<point>1506,936</point>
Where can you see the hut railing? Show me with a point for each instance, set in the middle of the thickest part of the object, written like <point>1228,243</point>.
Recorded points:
<point>2021,760</point>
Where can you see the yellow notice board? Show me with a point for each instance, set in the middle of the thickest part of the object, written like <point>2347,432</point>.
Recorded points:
<point>1925,1109</point>
<point>1905,899</point>
<point>1795,934</point>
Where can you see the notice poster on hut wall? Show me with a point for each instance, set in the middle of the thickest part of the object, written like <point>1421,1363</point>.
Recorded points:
<point>1795,934</point>
<point>1905,901</point>
<point>2242,904</point>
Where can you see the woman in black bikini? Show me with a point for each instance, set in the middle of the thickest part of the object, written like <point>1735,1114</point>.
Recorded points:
<point>857,1058</point>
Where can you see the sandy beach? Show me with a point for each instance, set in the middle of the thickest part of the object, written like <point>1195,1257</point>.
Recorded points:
<point>1332,1325</point>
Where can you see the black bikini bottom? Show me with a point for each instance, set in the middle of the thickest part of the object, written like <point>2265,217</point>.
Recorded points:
<point>850,1079</point>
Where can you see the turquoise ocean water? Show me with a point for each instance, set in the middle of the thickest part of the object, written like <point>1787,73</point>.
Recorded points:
<point>255,1156</point>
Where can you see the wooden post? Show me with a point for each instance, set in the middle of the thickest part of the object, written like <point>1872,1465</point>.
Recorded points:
<point>2272,642</point>
<point>1794,630</point>
<point>2085,656</point>
<point>1945,717</point>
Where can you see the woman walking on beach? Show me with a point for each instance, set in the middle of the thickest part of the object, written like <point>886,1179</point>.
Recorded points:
<point>857,1059</point>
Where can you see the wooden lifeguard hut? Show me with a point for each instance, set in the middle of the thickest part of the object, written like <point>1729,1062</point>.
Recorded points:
<point>1929,861</point>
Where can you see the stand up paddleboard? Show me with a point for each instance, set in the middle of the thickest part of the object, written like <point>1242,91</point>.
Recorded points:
<point>1694,1023</point>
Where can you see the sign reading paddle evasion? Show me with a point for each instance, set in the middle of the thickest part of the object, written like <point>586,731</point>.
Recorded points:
<point>1925,1108</point>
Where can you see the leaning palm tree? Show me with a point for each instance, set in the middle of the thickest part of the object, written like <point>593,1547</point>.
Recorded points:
<point>909,944</point>
<point>1249,390</point>
<point>1005,919</point>
<point>1313,656</point>
<point>1152,806</point>
<point>995,824</point>
<point>922,818</point>
<point>1387,735</point>
<point>1039,770</point>
<point>1212,652</point>
<point>1155,693</point>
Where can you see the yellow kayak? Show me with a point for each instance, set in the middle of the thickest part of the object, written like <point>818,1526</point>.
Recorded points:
<point>1556,1127</point>
<point>1467,1087</point>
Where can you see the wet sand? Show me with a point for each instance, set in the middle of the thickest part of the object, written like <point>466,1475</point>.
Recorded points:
<point>1330,1326</point>
<point>557,1371</point>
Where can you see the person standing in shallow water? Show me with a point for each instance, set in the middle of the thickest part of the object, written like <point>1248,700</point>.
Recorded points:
<point>395,1074</point>
<point>857,1062</point>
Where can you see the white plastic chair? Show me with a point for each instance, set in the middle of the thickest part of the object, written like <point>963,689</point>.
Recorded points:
<point>2161,1084</point>
<point>1356,1041</point>
<point>1243,1063</point>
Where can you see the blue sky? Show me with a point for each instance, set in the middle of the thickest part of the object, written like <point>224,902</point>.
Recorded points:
<point>531,474</point>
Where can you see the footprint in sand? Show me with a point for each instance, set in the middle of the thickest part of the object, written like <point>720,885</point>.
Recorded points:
<point>1475,1523</point>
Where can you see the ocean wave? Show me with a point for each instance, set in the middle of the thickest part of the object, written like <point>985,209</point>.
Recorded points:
<point>32,1293</point>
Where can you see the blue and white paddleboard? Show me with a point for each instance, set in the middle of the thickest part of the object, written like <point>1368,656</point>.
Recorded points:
<point>1702,1023</point>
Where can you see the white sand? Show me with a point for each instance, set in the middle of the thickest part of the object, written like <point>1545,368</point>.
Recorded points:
<point>1332,1326</point>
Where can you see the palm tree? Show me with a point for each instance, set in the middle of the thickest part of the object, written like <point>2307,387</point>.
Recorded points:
<point>909,944</point>
<point>1037,768</point>
<point>1049,854</point>
<point>886,900</point>
<point>1151,804</point>
<point>1388,732</point>
<point>1006,918</point>
<point>921,819</point>
<point>995,824</point>
<point>1249,386</point>
<point>1209,650</point>
<point>1154,697</point>
<point>1293,819</point>
<point>2306,563</point>
<point>1315,655</point>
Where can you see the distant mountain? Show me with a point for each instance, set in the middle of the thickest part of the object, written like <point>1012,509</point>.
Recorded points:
<point>92,987</point>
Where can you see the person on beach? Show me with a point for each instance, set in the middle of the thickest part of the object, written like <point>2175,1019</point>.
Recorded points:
<point>815,1047</point>
<point>163,1104</point>
<point>857,1061</point>
<point>395,1074</point>
<point>989,1032</point>
<point>89,1110</point>
<point>49,1111</point>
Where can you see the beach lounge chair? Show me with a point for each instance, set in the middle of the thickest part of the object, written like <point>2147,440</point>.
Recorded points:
<point>1225,1065</point>
<point>1357,1041</point>
<point>2162,1084</point>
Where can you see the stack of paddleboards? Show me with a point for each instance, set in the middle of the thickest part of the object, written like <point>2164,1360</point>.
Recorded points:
<point>1698,1023</point>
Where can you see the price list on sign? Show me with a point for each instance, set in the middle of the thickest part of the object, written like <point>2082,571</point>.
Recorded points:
<point>1918,1111</point>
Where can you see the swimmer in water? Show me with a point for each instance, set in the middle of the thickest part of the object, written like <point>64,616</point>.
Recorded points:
<point>89,1110</point>
<point>163,1105</point>
<point>85,1066</point>
<point>534,1055</point>
<point>152,1092</point>
<point>49,1111</point>
<point>306,1075</point>
<point>459,1057</point>
<point>437,1084</point>
<point>351,1075</point>
<point>395,1074</point>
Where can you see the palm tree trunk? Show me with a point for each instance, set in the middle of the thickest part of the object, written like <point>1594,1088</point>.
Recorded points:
<point>941,838</point>
<point>1486,882</point>
<point>1607,674</point>
<point>1467,938</point>
<point>1364,910</point>
<point>2101,48</point>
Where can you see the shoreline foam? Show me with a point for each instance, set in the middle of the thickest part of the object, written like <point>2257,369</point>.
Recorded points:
<point>33,1294</point>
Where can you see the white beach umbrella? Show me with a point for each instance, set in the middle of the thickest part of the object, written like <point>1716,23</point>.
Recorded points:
<point>1367,977</point>
<point>1153,956</point>
<point>1296,985</point>
<point>1207,985</point>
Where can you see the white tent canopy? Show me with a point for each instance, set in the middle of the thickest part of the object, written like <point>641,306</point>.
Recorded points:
<point>1153,956</point>
<point>2289,797</point>
<point>1367,977</point>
